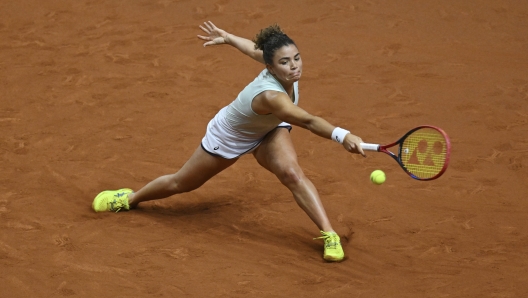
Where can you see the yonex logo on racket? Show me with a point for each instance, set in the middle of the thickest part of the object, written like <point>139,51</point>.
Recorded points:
<point>424,153</point>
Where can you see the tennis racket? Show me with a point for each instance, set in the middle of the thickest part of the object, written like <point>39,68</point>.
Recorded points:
<point>423,152</point>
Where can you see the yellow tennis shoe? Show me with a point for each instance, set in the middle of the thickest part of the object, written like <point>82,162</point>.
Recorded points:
<point>112,200</point>
<point>333,251</point>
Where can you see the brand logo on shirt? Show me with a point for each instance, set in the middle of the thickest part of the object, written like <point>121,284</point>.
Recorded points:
<point>216,148</point>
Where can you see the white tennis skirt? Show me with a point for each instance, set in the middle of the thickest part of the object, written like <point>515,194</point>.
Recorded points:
<point>222,140</point>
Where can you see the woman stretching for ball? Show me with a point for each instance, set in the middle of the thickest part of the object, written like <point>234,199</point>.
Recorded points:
<point>258,121</point>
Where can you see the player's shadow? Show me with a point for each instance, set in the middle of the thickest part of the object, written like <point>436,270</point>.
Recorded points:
<point>182,210</point>
<point>223,216</point>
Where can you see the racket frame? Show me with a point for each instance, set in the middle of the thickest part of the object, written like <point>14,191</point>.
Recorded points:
<point>397,158</point>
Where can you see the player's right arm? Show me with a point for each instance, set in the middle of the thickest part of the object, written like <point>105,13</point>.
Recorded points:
<point>217,36</point>
<point>280,105</point>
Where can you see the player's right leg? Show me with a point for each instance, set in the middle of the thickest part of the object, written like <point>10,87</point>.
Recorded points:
<point>277,154</point>
<point>201,167</point>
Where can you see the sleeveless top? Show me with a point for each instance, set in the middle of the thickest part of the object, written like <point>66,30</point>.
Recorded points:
<point>236,129</point>
<point>241,116</point>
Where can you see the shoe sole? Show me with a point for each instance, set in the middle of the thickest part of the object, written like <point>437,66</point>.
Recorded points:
<point>331,259</point>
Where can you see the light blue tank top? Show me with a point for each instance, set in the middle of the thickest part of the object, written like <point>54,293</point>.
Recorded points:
<point>241,116</point>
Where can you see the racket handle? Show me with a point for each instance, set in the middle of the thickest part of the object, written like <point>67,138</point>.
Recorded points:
<point>370,147</point>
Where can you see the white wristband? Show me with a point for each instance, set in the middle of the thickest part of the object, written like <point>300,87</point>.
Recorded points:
<point>339,134</point>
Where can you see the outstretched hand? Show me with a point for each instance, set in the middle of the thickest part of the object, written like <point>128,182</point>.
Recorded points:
<point>215,36</point>
<point>352,144</point>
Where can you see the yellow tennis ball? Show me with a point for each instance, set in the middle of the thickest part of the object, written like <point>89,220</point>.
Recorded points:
<point>377,177</point>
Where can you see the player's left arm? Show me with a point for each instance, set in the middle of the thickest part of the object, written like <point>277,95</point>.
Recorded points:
<point>281,106</point>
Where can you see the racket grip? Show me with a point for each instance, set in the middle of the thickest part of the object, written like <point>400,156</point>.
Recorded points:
<point>370,147</point>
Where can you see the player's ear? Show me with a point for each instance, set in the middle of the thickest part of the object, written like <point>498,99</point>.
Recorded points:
<point>270,69</point>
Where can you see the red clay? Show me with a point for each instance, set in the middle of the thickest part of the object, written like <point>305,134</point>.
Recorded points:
<point>104,94</point>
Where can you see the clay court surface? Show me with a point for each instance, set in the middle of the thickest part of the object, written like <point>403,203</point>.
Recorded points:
<point>105,94</point>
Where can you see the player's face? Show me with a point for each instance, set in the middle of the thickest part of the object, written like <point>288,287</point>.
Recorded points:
<point>287,64</point>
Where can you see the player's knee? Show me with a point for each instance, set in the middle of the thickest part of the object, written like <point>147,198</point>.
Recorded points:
<point>290,175</point>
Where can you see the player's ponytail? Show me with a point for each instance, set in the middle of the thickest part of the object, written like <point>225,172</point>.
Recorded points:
<point>269,40</point>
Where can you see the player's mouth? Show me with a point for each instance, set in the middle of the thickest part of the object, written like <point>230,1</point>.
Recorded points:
<point>296,74</point>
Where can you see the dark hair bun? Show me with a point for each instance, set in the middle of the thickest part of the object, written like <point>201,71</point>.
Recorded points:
<point>265,35</point>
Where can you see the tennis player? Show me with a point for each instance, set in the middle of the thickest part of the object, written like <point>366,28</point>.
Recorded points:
<point>258,121</point>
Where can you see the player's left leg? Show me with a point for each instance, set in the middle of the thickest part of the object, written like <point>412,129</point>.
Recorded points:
<point>201,167</point>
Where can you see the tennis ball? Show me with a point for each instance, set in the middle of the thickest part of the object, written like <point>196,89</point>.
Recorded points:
<point>377,177</point>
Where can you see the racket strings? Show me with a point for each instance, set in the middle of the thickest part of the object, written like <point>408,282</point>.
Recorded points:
<point>424,153</point>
